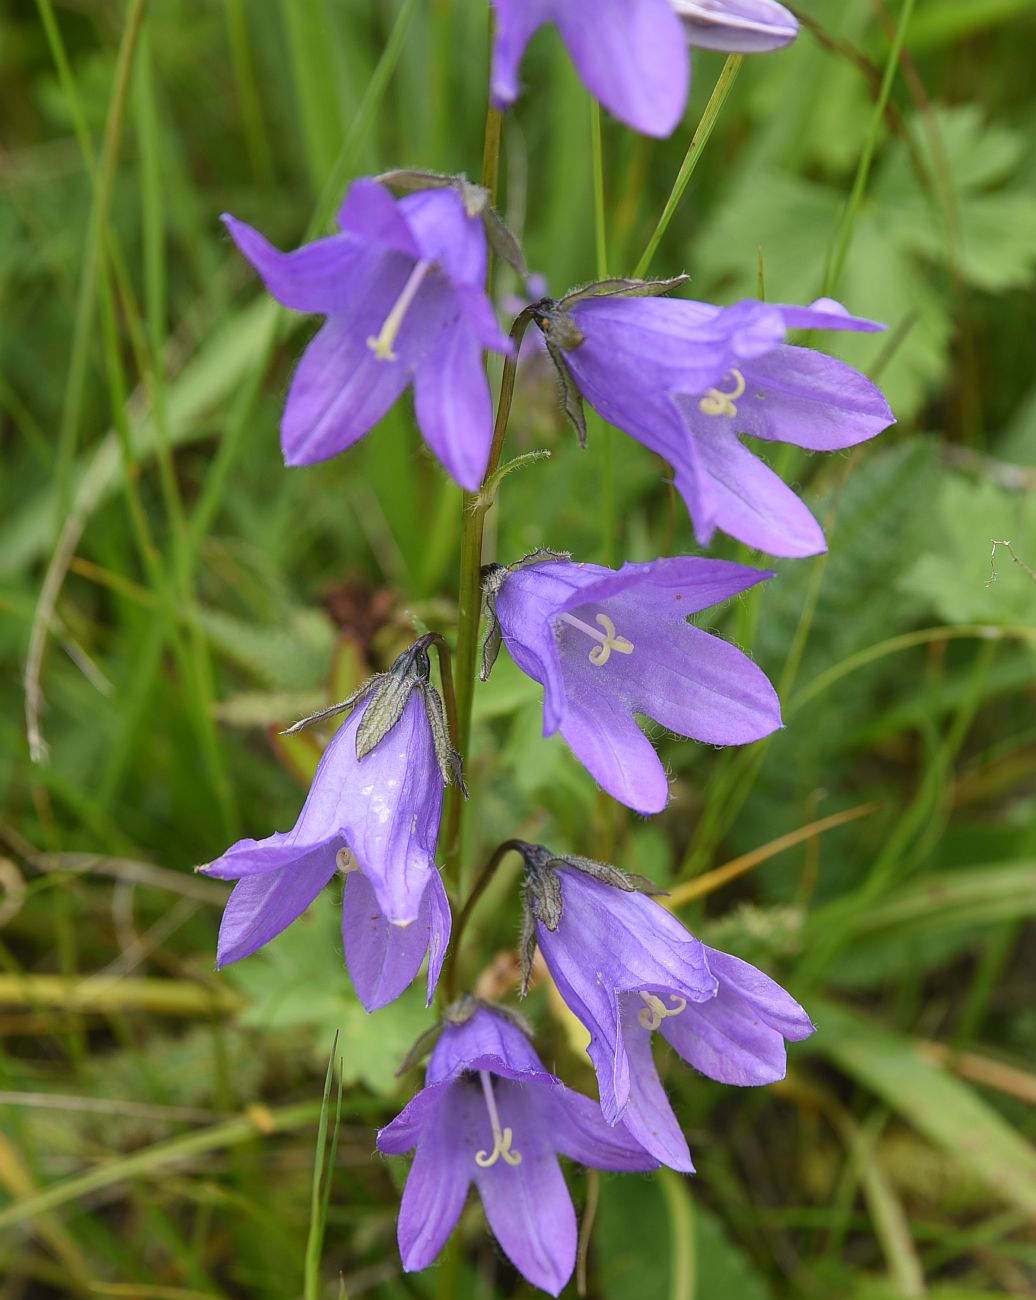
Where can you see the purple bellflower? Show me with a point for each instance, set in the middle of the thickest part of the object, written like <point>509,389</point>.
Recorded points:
<point>632,54</point>
<point>402,290</point>
<point>373,810</point>
<point>606,645</point>
<point>687,378</point>
<point>626,966</point>
<point>490,1113</point>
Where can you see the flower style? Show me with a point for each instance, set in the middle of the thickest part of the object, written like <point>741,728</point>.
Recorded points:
<point>686,378</point>
<point>606,645</point>
<point>490,1113</point>
<point>401,288</point>
<point>632,54</point>
<point>626,967</point>
<point>373,810</point>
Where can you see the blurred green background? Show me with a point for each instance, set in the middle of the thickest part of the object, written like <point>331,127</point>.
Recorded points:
<point>169,594</point>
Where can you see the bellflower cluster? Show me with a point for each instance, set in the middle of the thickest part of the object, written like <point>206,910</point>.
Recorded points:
<point>402,288</point>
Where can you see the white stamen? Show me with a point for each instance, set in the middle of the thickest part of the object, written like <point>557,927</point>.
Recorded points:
<point>655,1011</point>
<point>382,345</point>
<point>717,402</point>
<point>501,1136</point>
<point>608,641</point>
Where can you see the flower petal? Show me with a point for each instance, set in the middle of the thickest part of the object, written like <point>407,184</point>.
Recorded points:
<point>453,405</point>
<point>632,56</point>
<point>738,1038</point>
<point>579,1131</point>
<point>815,401</point>
<point>262,905</point>
<point>516,20</point>
<point>486,1041</point>
<point>373,216</point>
<point>446,234</point>
<point>383,958</point>
<point>826,314</point>
<point>737,26</point>
<point>438,1181</point>
<point>528,1205</point>
<point>648,1116</point>
<point>605,738</point>
<point>753,503</point>
<point>318,277</point>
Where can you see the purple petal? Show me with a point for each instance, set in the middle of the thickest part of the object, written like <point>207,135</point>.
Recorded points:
<point>318,277</point>
<point>389,808</point>
<point>478,311</point>
<point>737,26</point>
<point>753,504</point>
<point>579,1131</point>
<point>261,906</point>
<point>438,1181</point>
<point>453,405</point>
<point>648,1116</point>
<point>675,587</point>
<point>404,1132</point>
<point>440,924</point>
<point>341,387</point>
<point>373,216</point>
<point>383,958</point>
<point>738,1038</point>
<point>826,314</point>
<point>516,20</point>
<point>446,234</point>
<point>603,735</point>
<point>632,56</point>
<point>485,1042</point>
<point>812,400</point>
<point>528,1205</point>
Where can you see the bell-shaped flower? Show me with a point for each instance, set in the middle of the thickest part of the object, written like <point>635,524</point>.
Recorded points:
<point>632,54</point>
<point>402,290</point>
<point>490,1113</point>
<point>607,645</point>
<point>373,809</point>
<point>687,378</point>
<point>626,966</point>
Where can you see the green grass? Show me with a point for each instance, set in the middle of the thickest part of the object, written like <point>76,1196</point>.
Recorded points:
<point>169,593</point>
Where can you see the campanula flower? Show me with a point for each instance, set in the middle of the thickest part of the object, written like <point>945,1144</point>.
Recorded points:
<point>607,645</point>
<point>402,290</point>
<point>687,378</point>
<point>626,966</point>
<point>632,54</point>
<point>490,1113</point>
<point>373,809</point>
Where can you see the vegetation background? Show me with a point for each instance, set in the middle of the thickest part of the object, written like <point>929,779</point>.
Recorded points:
<point>170,594</point>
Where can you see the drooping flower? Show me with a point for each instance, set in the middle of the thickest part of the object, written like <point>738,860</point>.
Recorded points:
<point>402,289</point>
<point>626,966</point>
<point>606,645</point>
<point>373,809</point>
<point>687,378</point>
<point>490,1113</point>
<point>632,54</point>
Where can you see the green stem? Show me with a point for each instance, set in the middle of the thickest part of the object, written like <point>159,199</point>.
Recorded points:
<point>469,595</point>
<point>840,247</point>
<point>694,151</point>
<point>478,889</point>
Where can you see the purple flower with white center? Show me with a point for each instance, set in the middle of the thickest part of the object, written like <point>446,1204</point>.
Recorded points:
<point>402,289</point>
<point>373,810</point>
<point>626,967</point>
<point>632,54</point>
<point>687,378</point>
<point>606,645</point>
<point>490,1113</point>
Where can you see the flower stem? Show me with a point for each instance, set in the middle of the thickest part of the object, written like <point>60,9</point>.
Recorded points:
<point>469,595</point>
<point>478,889</point>
<point>695,149</point>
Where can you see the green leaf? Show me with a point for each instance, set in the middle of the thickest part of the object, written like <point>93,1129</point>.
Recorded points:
<point>947,1112</point>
